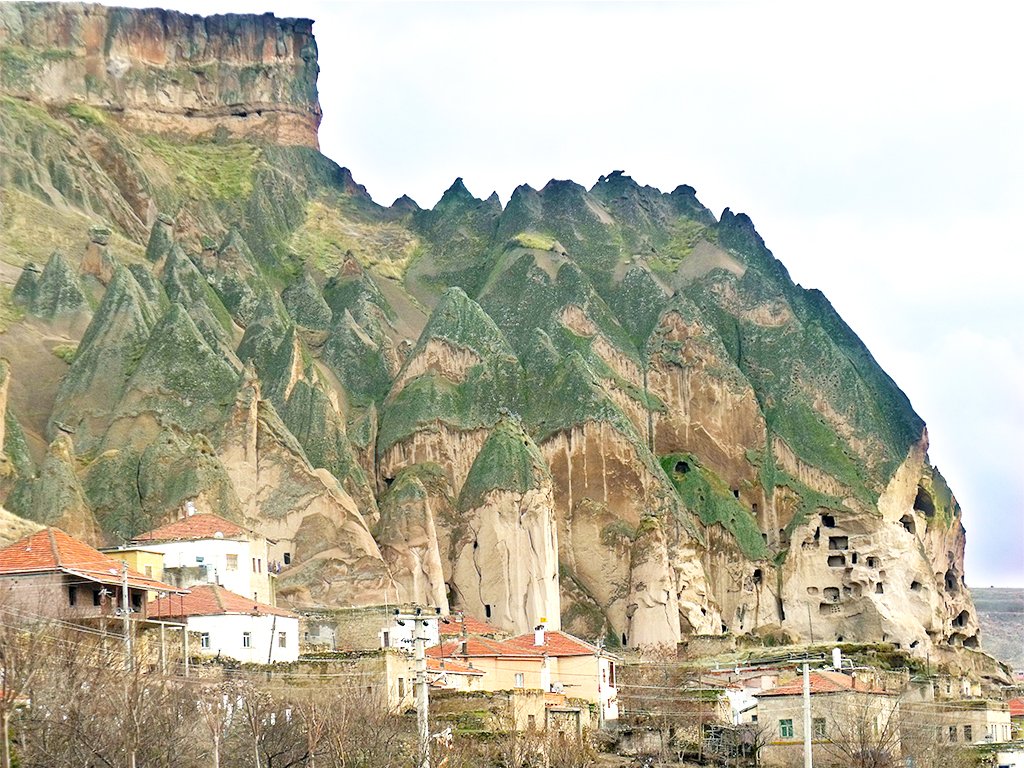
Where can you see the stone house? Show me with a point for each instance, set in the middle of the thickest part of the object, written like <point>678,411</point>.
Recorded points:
<point>1016,708</point>
<point>844,711</point>
<point>232,625</point>
<point>51,575</point>
<point>207,549</point>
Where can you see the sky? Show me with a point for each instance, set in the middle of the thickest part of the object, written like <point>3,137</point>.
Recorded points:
<point>876,146</point>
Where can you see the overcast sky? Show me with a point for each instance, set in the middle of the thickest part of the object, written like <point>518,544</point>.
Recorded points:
<point>876,146</point>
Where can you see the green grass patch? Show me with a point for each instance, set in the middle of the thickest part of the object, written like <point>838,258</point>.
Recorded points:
<point>86,114</point>
<point>10,313</point>
<point>706,494</point>
<point>532,240</point>
<point>221,171</point>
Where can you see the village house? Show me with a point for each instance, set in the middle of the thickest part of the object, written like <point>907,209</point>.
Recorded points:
<point>1016,709</point>
<point>841,706</point>
<point>232,625</point>
<point>966,721</point>
<point>552,662</point>
<point>51,575</point>
<point>207,549</point>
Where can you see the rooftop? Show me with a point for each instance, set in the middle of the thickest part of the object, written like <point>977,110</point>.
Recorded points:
<point>454,625</point>
<point>212,600</point>
<point>195,528</point>
<point>52,550</point>
<point>555,644</point>
<point>824,682</point>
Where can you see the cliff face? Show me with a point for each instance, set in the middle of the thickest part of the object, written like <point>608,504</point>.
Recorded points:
<point>603,407</point>
<point>167,72</point>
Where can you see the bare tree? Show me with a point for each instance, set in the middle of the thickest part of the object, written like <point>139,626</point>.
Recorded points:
<point>22,658</point>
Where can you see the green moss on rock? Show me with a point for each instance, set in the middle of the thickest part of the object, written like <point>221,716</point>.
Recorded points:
<point>509,461</point>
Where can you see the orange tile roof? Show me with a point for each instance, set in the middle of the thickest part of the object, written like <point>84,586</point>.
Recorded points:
<point>1016,707</point>
<point>555,644</point>
<point>448,665</point>
<point>193,528</point>
<point>479,647</point>
<point>51,550</point>
<point>453,625</point>
<point>211,600</point>
<point>823,682</point>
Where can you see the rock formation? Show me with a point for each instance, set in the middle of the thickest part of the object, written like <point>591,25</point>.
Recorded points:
<point>604,407</point>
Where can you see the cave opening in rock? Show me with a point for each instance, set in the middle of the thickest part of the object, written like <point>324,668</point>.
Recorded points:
<point>487,610</point>
<point>924,503</point>
<point>764,537</point>
<point>836,561</point>
<point>753,508</point>
<point>951,585</point>
<point>961,619</point>
<point>838,542</point>
<point>915,586</point>
<point>682,467</point>
<point>623,639</point>
<point>476,544</point>
<point>879,589</point>
<point>735,493</point>
<point>388,481</point>
<point>908,524</point>
<point>853,558</point>
<point>872,562</point>
<point>829,521</point>
<point>971,642</point>
<point>915,644</point>
<point>757,575</point>
<point>832,594</point>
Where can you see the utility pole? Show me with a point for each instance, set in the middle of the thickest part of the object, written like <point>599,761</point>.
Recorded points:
<point>126,616</point>
<point>600,688</point>
<point>422,703</point>
<point>808,763</point>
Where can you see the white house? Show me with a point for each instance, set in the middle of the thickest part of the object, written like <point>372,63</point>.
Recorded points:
<point>233,625</point>
<point>207,549</point>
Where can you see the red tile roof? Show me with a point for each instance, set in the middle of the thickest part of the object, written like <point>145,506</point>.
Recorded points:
<point>555,644</point>
<point>51,550</point>
<point>823,682</point>
<point>1016,707</point>
<point>193,528</point>
<point>480,647</point>
<point>453,625</point>
<point>211,600</point>
<point>454,667</point>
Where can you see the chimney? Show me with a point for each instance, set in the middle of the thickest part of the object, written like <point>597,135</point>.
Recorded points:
<point>837,660</point>
<point>538,633</point>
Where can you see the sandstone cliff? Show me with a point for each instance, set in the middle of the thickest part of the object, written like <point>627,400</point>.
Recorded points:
<point>604,407</point>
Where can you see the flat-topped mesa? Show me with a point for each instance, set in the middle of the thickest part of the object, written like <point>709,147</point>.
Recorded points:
<point>167,72</point>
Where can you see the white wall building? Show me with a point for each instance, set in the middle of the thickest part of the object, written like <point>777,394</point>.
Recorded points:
<point>400,631</point>
<point>207,549</point>
<point>232,625</point>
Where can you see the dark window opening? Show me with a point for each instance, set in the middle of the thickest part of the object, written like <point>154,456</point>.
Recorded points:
<point>487,611</point>
<point>623,638</point>
<point>961,619</point>
<point>385,642</point>
<point>923,502</point>
<point>872,562</point>
<point>72,595</point>
<point>915,586</point>
<point>971,642</point>
<point>388,481</point>
<point>829,521</point>
<point>682,467</point>
<point>839,638</point>
<point>753,508</point>
<point>735,493</point>
<point>838,542</point>
<point>853,558</point>
<point>908,524</point>
<point>137,601</point>
<point>287,558</point>
<point>951,585</point>
<point>832,594</point>
<point>476,544</point>
<point>836,561</point>
<point>97,597</point>
<point>757,575</point>
<point>764,537</point>
<point>879,589</point>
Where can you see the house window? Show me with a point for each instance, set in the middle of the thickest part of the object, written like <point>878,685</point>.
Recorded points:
<point>487,611</point>
<point>97,597</point>
<point>247,639</point>
<point>611,674</point>
<point>385,641</point>
<point>401,686</point>
<point>149,571</point>
<point>136,601</point>
<point>287,558</point>
<point>232,563</point>
<point>819,727</point>
<point>531,722</point>
<point>520,681</point>
<point>282,639</point>
<point>786,728</point>
<point>72,595</point>
<point>952,733</point>
<point>254,565</point>
<point>204,639</point>
<point>259,565</point>
<point>968,734</point>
